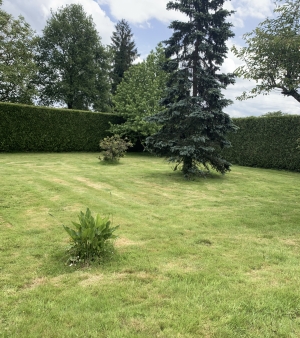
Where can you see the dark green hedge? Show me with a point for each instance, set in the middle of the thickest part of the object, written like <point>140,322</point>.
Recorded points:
<point>266,142</point>
<point>30,128</point>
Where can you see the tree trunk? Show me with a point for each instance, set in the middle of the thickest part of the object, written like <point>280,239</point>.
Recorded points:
<point>187,165</point>
<point>195,63</point>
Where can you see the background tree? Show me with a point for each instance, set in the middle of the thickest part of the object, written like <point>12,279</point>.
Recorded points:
<point>274,114</point>
<point>193,125</point>
<point>138,96</point>
<point>272,53</point>
<point>123,50</point>
<point>17,66</point>
<point>72,61</point>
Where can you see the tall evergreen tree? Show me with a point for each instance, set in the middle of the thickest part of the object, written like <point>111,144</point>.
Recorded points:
<point>193,124</point>
<point>124,52</point>
<point>73,66</point>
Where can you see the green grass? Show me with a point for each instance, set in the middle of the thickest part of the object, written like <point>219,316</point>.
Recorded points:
<point>215,257</point>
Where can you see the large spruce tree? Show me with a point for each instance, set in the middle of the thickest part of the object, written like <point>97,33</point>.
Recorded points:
<point>193,124</point>
<point>124,52</point>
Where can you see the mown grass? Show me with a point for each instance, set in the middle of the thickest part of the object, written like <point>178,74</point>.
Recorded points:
<point>215,257</point>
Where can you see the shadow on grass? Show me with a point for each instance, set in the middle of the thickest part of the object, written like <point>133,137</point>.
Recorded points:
<point>110,163</point>
<point>177,176</point>
<point>58,262</point>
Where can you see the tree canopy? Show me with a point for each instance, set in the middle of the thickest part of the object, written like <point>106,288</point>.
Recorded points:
<point>193,124</point>
<point>124,52</point>
<point>138,96</point>
<point>272,53</point>
<point>72,62</point>
<point>277,113</point>
<point>17,66</point>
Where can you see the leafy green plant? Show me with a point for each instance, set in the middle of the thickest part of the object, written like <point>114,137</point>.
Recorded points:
<point>114,147</point>
<point>138,96</point>
<point>90,239</point>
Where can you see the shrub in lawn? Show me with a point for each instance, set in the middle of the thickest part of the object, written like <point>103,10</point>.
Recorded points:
<point>114,148</point>
<point>92,237</point>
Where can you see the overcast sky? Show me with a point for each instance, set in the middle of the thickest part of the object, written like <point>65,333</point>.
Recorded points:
<point>149,21</point>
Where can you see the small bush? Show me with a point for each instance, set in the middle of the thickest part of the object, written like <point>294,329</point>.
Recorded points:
<point>114,148</point>
<point>91,239</point>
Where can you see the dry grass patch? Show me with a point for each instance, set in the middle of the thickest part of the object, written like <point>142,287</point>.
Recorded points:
<point>37,282</point>
<point>55,198</point>
<point>91,280</point>
<point>290,242</point>
<point>4,223</point>
<point>264,278</point>
<point>137,324</point>
<point>181,266</point>
<point>98,186</point>
<point>60,181</point>
<point>124,242</point>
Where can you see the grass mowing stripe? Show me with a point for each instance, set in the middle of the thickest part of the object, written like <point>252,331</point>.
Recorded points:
<point>215,257</point>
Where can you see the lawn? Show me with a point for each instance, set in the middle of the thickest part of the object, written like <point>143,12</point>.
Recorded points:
<point>214,257</point>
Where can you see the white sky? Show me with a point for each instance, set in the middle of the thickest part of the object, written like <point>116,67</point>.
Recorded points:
<point>149,20</point>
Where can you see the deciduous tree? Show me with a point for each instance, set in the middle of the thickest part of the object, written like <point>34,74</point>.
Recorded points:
<point>138,96</point>
<point>17,66</point>
<point>73,68</point>
<point>193,124</point>
<point>272,53</point>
